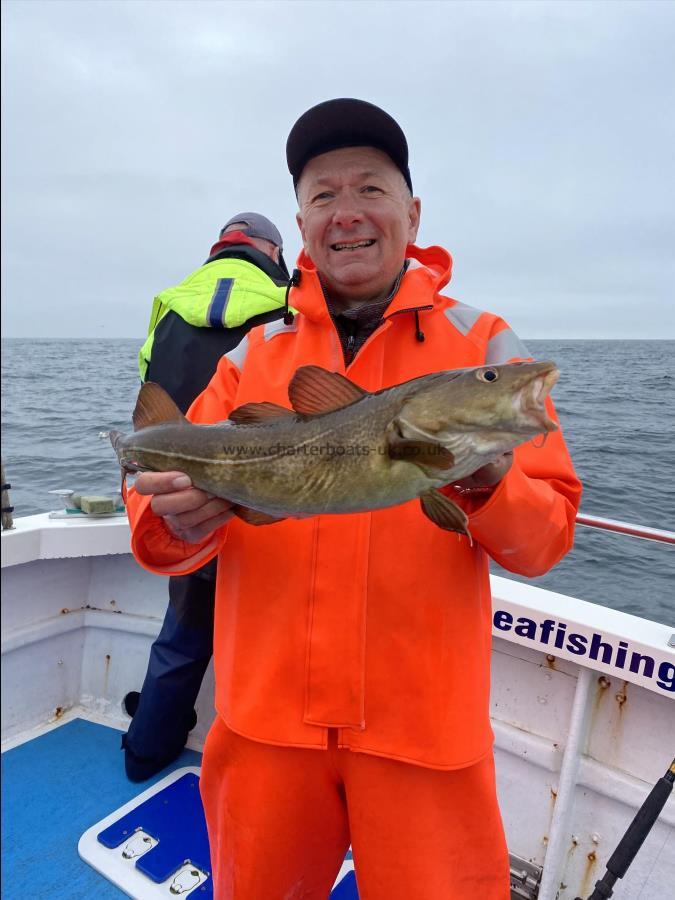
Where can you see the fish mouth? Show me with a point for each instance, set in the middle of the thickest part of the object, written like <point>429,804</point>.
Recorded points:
<point>532,396</point>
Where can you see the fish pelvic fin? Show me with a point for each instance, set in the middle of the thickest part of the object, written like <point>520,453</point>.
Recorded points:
<point>444,513</point>
<point>314,391</point>
<point>257,413</point>
<point>154,407</point>
<point>254,516</point>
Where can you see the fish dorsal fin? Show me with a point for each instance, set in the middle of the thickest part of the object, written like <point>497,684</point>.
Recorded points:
<point>257,413</point>
<point>314,391</point>
<point>154,407</point>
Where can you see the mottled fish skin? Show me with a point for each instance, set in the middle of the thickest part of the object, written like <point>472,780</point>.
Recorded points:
<point>362,456</point>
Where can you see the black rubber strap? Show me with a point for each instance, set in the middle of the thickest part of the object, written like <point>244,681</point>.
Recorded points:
<point>7,509</point>
<point>5,487</point>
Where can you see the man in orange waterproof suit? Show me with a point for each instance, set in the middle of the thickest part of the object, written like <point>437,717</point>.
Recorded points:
<point>352,652</point>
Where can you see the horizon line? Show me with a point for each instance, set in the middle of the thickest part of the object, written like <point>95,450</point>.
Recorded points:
<point>90,337</point>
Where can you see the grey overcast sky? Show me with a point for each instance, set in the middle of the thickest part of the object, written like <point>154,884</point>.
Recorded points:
<point>542,144</point>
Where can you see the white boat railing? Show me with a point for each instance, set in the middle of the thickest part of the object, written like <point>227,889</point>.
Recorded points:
<point>639,531</point>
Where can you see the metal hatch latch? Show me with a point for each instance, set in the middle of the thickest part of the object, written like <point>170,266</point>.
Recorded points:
<point>525,878</point>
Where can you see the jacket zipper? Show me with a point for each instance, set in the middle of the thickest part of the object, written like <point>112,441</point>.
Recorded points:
<point>349,351</point>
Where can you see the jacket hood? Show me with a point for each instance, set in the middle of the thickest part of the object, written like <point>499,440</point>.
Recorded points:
<point>429,270</point>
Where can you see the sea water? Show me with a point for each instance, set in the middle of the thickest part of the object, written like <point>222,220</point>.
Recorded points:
<point>615,399</point>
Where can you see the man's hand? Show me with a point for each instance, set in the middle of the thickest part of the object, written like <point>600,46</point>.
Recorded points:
<point>488,476</point>
<point>189,514</point>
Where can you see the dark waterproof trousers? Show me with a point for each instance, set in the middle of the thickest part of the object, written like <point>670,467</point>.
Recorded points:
<point>178,660</point>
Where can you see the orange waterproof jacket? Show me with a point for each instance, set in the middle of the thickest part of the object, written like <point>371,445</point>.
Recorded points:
<point>378,624</point>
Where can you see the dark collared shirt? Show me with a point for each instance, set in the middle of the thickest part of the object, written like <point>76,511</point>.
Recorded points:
<point>354,326</point>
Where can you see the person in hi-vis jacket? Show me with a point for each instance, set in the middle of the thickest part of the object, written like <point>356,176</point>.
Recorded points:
<point>241,284</point>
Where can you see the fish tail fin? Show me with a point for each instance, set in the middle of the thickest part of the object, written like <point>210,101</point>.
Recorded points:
<point>115,437</point>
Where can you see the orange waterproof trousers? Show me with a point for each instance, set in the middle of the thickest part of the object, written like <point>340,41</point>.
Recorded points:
<point>280,820</point>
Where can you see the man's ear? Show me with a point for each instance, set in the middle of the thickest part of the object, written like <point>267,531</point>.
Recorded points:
<point>301,226</point>
<point>414,214</point>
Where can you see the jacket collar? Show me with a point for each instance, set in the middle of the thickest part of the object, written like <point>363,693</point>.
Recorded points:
<point>243,249</point>
<point>429,270</point>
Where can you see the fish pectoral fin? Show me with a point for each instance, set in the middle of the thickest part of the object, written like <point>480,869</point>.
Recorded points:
<point>154,407</point>
<point>444,513</point>
<point>425,454</point>
<point>254,516</point>
<point>314,391</point>
<point>256,413</point>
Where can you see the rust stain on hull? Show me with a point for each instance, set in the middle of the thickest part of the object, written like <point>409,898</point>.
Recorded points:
<point>106,675</point>
<point>622,696</point>
<point>553,796</point>
<point>617,716</point>
<point>601,693</point>
<point>588,877</point>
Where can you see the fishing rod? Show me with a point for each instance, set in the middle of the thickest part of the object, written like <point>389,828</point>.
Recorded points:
<point>633,839</point>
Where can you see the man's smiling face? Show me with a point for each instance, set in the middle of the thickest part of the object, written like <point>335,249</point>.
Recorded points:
<point>356,218</point>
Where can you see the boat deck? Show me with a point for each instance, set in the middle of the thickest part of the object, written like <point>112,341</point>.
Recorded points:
<point>57,785</point>
<point>54,787</point>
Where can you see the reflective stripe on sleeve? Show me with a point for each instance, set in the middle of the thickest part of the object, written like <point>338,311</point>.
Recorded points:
<point>237,354</point>
<point>505,346</point>
<point>463,317</point>
<point>215,314</point>
<point>278,326</point>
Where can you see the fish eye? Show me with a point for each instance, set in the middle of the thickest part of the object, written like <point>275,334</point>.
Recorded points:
<point>487,375</point>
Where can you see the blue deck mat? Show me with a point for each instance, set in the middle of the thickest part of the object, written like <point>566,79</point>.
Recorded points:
<point>54,788</point>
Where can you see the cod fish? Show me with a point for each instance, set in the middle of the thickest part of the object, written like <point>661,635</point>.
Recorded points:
<point>341,449</point>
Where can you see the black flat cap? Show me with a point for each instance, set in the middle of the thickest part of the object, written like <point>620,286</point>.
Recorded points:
<point>345,122</point>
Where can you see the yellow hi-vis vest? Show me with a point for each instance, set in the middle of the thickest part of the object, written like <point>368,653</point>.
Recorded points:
<point>224,293</point>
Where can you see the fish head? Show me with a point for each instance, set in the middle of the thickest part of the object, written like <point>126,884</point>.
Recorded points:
<point>510,397</point>
<point>484,411</point>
